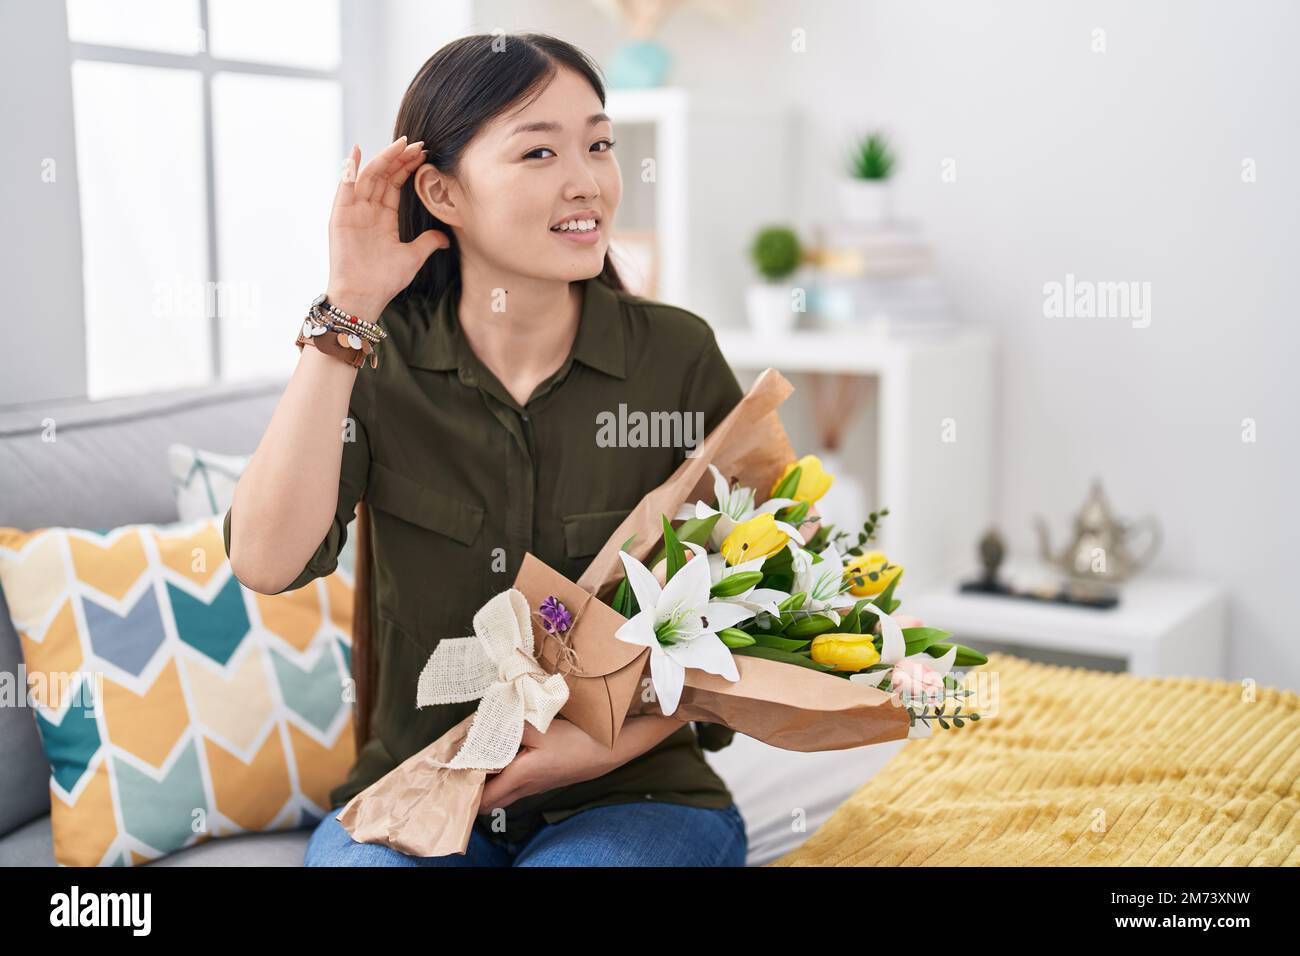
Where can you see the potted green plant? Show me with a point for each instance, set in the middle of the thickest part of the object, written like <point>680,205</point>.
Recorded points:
<point>776,253</point>
<point>864,193</point>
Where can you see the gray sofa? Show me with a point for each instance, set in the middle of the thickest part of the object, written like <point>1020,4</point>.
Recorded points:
<point>108,467</point>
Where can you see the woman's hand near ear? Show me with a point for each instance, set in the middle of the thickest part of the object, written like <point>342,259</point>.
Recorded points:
<point>369,263</point>
<point>287,497</point>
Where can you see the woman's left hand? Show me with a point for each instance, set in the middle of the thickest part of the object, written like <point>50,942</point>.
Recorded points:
<point>561,756</point>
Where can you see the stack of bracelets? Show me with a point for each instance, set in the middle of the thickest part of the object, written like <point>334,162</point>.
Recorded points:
<point>339,334</point>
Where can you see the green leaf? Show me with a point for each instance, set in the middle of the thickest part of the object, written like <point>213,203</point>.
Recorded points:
<point>793,514</point>
<point>786,657</point>
<point>966,656</point>
<point>697,530</point>
<point>620,597</point>
<point>818,541</point>
<point>694,530</point>
<point>673,548</point>
<point>779,563</point>
<point>789,483</point>
<point>808,625</point>
<point>884,598</point>
<point>853,620</point>
<point>920,638</point>
<point>782,643</point>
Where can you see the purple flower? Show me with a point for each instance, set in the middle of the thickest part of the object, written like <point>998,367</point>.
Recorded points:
<point>556,618</point>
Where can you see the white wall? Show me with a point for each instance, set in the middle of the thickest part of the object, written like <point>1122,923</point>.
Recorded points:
<point>40,268</point>
<point>1122,165</point>
<point>1112,166</point>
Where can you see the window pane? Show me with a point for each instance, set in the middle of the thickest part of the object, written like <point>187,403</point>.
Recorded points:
<point>279,153</point>
<point>143,222</point>
<point>290,32</point>
<point>168,25</point>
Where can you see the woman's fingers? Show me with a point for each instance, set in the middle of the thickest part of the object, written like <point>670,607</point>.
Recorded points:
<point>348,177</point>
<point>410,161</point>
<point>371,179</point>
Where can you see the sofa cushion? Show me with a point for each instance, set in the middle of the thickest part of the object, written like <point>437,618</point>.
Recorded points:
<point>174,704</point>
<point>24,781</point>
<point>204,483</point>
<point>33,845</point>
<point>99,465</point>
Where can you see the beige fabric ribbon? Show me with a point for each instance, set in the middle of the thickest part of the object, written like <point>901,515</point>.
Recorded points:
<point>496,667</point>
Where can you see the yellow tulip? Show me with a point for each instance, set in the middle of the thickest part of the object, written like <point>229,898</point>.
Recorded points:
<point>813,479</point>
<point>845,652</point>
<point>870,573</point>
<point>756,538</point>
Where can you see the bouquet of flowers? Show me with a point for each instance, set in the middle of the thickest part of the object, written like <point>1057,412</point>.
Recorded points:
<point>771,581</point>
<point>751,615</point>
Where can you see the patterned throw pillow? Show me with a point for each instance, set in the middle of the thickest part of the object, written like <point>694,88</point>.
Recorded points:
<point>174,704</point>
<point>204,484</point>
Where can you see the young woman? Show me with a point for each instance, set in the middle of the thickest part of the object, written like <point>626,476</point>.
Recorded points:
<point>479,242</point>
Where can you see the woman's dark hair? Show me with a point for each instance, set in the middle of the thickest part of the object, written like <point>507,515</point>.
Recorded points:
<point>457,90</point>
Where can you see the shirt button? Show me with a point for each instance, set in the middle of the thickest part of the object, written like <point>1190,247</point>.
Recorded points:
<point>525,416</point>
<point>649,796</point>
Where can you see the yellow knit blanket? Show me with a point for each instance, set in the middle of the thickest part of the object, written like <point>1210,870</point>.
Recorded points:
<point>1084,768</point>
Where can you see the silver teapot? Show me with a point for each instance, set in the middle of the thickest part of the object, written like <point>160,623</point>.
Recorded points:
<point>1102,547</point>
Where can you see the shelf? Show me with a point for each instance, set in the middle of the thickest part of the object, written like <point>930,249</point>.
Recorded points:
<point>1163,625</point>
<point>863,352</point>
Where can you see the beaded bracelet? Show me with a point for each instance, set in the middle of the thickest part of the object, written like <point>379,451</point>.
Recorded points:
<point>373,333</point>
<point>322,303</point>
<point>339,334</point>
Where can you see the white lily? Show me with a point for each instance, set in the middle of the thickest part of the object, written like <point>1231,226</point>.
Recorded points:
<point>735,506</point>
<point>682,614</point>
<point>822,581</point>
<point>905,668</point>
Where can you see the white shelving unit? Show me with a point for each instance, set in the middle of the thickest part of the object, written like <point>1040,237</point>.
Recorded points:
<point>679,183</point>
<point>1164,626</point>
<point>652,124</point>
<point>929,387</point>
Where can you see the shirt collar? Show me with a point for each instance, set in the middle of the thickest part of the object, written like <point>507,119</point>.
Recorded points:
<point>598,344</point>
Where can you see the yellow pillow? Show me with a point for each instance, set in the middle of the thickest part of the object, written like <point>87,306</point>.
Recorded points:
<point>174,704</point>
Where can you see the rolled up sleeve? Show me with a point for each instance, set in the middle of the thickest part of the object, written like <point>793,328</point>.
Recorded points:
<point>354,470</point>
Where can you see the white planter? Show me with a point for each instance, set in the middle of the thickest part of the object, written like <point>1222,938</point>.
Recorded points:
<point>865,201</point>
<point>770,308</point>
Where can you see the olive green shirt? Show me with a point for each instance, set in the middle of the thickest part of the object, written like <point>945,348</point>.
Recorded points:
<point>462,481</point>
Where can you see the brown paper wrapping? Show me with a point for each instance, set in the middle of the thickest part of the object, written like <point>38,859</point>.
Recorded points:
<point>423,810</point>
<point>417,808</point>
<point>750,444</point>
<point>787,706</point>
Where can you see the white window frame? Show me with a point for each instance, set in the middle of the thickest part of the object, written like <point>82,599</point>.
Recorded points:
<point>207,66</point>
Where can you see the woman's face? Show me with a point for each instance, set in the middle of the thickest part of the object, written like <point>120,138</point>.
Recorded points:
<point>529,170</point>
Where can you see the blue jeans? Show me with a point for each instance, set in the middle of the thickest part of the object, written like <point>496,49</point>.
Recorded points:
<point>626,834</point>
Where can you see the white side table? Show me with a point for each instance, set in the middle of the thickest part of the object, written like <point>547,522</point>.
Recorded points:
<point>1163,626</point>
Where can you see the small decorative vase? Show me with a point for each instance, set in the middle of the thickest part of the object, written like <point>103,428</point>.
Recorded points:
<point>769,308</point>
<point>865,201</point>
<point>639,65</point>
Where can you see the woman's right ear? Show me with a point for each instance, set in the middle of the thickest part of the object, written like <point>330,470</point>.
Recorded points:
<point>436,191</point>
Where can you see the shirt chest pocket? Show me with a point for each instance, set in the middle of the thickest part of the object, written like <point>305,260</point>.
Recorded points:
<point>422,505</point>
<point>585,534</point>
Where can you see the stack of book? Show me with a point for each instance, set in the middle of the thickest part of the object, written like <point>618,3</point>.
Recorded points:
<point>880,278</point>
